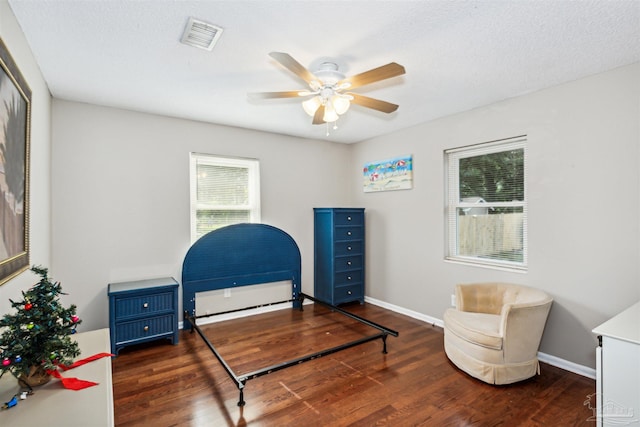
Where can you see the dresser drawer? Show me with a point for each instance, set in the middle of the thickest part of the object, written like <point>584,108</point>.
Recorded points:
<point>348,263</point>
<point>347,248</point>
<point>349,233</point>
<point>348,293</point>
<point>145,328</point>
<point>349,218</point>
<point>144,305</point>
<point>348,277</point>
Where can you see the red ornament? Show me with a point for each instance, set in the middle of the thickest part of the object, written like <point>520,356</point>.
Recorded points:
<point>75,319</point>
<point>28,306</point>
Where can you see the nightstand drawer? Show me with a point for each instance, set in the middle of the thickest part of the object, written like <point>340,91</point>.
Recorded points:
<point>145,328</point>
<point>144,305</point>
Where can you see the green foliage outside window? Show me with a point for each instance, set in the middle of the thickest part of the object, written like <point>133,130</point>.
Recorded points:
<point>495,177</point>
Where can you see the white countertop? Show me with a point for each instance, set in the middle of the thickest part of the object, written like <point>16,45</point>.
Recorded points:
<point>52,405</point>
<point>625,326</point>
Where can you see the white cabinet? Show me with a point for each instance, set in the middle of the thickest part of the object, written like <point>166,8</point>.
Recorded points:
<point>618,369</point>
<point>54,406</point>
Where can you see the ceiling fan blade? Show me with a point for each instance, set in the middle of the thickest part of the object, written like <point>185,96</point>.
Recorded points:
<point>375,75</point>
<point>285,94</point>
<point>375,104</point>
<point>294,66</point>
<point>318,116</point>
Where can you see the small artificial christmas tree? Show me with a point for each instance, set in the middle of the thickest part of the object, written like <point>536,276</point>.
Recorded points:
<point>37,337</point>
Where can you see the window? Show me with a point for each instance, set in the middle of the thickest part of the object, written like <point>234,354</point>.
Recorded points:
<point>487,206</point>
<point>224,191</point>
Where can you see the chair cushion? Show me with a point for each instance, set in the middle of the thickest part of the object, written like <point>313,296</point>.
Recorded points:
<point>477,328</point>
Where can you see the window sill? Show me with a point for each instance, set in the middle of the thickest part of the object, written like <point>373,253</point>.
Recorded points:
<point>500,267</point>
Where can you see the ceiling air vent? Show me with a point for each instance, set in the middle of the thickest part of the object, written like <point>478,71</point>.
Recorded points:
<point>201,34</point>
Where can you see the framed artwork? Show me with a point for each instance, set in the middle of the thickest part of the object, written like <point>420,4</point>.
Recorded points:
<point>387,175</point>
<point>15,124</point>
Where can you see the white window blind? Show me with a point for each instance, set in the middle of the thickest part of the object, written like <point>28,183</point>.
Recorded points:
<point>487,206</point>
<point>224,191</point>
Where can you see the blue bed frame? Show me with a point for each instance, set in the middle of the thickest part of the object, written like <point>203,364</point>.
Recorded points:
<point>250,254</point>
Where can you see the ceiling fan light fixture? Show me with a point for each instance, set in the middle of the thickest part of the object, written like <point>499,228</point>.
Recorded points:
<point>330,114</point>
<point>340,104</point>
<point>311,105</point>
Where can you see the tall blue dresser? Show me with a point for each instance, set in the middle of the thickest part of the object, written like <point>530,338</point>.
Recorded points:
<point>339,255</point>
<point>143,310</point>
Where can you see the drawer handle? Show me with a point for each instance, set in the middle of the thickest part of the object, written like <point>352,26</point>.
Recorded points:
<point>348,262</point>
<point>348,292</point>
<point>146,328</point>
<point>348,218</point>
<point>348,233</point>
<point>145,305</point>
<point>348,277</point>
<point>348,248</point>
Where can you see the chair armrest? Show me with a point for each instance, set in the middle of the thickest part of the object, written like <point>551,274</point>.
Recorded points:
<point>522,326</point>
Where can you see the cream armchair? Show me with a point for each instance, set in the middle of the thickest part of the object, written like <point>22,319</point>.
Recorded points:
<point>494,332</point>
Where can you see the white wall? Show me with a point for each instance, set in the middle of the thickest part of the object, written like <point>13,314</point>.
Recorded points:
<point>583,193</point>
<point>120,184</point>
<point>40,214</point>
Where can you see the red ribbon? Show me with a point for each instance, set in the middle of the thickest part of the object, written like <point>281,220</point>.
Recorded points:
<point>75,383</point>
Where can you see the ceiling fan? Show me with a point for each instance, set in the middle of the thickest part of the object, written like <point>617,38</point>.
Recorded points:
<point>328,95</point>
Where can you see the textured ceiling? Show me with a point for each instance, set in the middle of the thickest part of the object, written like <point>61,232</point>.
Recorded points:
<point>459,55</point>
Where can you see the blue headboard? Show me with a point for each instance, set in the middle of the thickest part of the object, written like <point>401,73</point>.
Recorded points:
<point>240,255</point>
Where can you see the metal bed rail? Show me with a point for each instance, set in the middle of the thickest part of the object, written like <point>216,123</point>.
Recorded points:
<point>219,313</point>
<point>383,329</point>
<point>241,380</point>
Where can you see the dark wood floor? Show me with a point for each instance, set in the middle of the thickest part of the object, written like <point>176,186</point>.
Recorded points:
<point>413,385</point>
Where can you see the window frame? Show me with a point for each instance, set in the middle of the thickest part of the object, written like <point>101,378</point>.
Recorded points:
<point>453,202</point>
<point>253,183</point>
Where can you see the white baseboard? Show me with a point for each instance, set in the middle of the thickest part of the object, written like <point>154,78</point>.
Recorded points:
<point>406,312</point>
<point>585,371</point>
<point>543,357</point>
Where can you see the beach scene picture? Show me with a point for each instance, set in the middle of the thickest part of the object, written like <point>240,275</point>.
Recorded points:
<point>388,175</point>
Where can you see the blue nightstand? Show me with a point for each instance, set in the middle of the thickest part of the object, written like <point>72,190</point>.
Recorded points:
<point>143,310</point>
